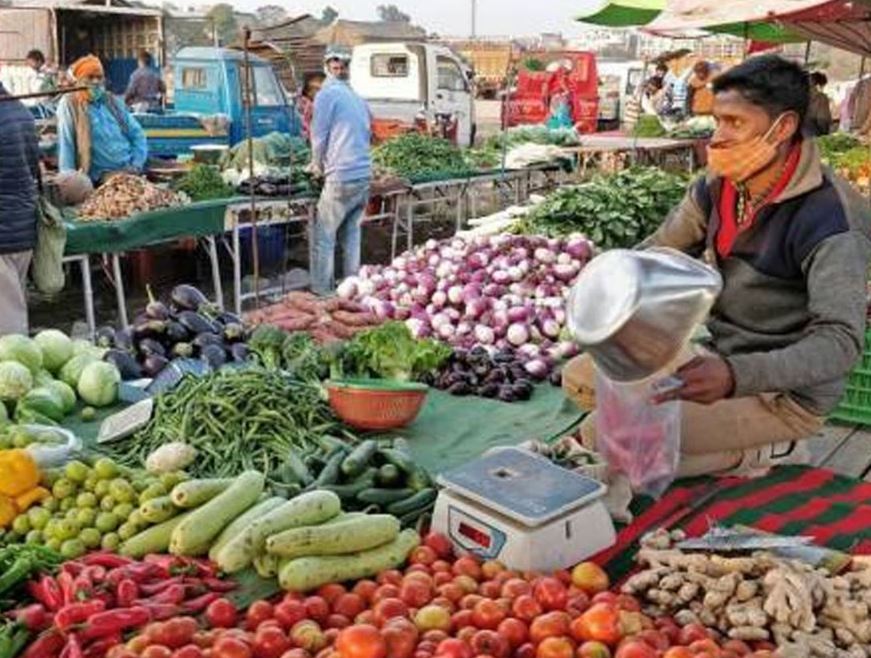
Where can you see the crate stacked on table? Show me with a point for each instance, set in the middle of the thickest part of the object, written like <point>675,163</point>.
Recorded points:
<point>855,405</point>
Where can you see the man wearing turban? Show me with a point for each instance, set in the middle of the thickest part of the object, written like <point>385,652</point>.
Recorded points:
<point>97,135</point>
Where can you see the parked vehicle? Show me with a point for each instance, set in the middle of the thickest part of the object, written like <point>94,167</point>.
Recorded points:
<point>618,81</point>
<point>415,86</point>
<point>490,63</point>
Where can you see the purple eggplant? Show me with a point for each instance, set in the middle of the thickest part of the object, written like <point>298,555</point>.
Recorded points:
<point>227,318</point>
<point>176,333</point>
<point>149,329</point>
<point>124,339</point>
<point>214,355</point>
<point>155,309</point>
<point>150,347</point>
<point>187,298</point>
<point>240,352</point>
<point>125,363</point>
<point>105,337</point>
<point>196,323</point>
<point>153,364</point>
<point>233,332</point>
<point>203,340</point>
<point>184,350</point>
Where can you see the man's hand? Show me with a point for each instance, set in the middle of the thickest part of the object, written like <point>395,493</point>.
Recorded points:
<point>706,379</point>
<point>314,170</point>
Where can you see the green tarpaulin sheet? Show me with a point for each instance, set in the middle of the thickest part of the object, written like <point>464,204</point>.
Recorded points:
<point>621,13</point>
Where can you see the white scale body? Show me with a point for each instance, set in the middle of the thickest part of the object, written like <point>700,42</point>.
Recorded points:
<point>519,508</point>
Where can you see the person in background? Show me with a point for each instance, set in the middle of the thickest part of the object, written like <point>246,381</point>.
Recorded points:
<point>819,112</point>
<point>653,98</point>
<point>701,97</point>
<point>340,144</point>
<point>19,171</point>
<point>664,73</point>
<point>145,89</point>
<point>97,135</point>
<point>679,95</point>
<point>39,79</point>
<point>792,242</point>
<point>306,102</point>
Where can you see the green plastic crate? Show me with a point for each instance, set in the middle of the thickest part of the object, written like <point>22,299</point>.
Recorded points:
<point>855,406</point>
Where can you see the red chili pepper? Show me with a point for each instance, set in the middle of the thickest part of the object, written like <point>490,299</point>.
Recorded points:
<point>83,587</point>
<point>33,617</point>
<point>100,647</point>
<point>116,621</point>
<point>201,603</point>
<point>47,592</point>
<point>106,597</point>
<point>73,567</point>
<point>172,594</point>
<point>47,645</point>
<point>218,585</point>
<point>144,571</point>
<point>162,611</point>
<point>150,589</point>
<point>107,560</point>
<point>95,573</point>
<point>126,592</point>
<point>77,613</point>
<point>72,649</point>
<point>65,581</point>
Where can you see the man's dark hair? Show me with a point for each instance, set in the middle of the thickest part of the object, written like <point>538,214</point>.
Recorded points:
<point>819,79</point>
<point>662,67</point>
<point>36,56</point>
<point>145,56</point>
<point>770,82</point>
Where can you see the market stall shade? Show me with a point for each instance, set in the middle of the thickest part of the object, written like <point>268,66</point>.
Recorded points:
<point>620,13</point>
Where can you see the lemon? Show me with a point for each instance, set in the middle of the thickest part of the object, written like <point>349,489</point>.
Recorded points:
<point>106,522</point>
<point>72,548</point>
<point>77,471</point>
<point>90,537</point>
<point>110,542</point>
<point>86,499</point>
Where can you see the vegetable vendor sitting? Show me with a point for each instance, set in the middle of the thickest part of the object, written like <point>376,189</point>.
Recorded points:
<point>97,135</point>
<point>792,242</point>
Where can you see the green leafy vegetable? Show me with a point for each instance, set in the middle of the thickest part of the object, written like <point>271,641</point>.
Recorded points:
<point>203,182</point>
<point>420,157</point>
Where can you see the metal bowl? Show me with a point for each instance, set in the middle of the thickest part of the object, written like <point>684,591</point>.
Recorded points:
<point>209,153</point>
<point>634,311</point>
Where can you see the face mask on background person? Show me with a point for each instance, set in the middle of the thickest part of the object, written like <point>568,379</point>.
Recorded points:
<point>97,92</point>
<point>738,162</point>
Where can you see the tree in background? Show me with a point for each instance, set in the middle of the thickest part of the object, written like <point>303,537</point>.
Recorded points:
<point>223,22</point>
<point>270,15</point>
<point>392,14</point>
<point>183,31</point>
<point>328,15</point>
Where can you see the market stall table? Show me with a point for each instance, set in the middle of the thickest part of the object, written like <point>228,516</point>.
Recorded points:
<point>641,150</point>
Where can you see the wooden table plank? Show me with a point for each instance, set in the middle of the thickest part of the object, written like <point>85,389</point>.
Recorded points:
<point>827,441</point>
<point>853,456</point>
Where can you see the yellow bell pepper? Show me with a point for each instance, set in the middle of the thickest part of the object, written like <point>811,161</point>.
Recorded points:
<point>8,511</point>
<point>18,472</point>
<point>29,498</point>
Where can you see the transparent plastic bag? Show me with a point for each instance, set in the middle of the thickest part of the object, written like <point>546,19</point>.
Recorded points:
<point>637,438</point>
<point>61,446</point>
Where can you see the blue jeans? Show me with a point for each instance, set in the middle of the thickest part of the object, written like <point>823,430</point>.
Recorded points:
<point>339,212</point>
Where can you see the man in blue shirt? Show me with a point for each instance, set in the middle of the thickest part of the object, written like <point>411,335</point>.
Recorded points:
<point>96,133</point>
<point>340,141</point>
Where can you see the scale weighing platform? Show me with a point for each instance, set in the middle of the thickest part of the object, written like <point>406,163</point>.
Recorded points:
<point>516,507</point>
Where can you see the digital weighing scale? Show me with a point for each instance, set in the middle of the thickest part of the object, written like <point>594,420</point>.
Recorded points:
<point>516,507</point>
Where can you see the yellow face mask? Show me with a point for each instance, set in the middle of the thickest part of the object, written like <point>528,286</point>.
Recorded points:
<point>739,162</point>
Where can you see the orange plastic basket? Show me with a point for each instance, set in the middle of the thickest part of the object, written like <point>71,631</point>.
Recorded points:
<point>376,404</point>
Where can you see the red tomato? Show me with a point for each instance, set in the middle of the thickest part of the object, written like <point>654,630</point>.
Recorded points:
<point>388,609</point>
<point>692,632</point>
<point>451,591</point>
<point>468,584</point>
<point>678,652</point>
<point>390,577</point>
<point>490,589</point>
<point>287,613</point>
<point>487,614</point>
<point>655,639</point>
<point>601,622</point>
<point>469,601</point>
<point>317,608</point>
<point>577,604</point>
<point>513,630</point>
<point>270,642</point>
<point>605,597</point>
<point>361,641</point>
<point>415,593</point>
<point>550,624</point>
<point>466,634</point>
<point>400,635</point>
<point>258,612</point>
<point>385,592</point>
<point>700,646</point>
<point>551,593</point>
<point>555,647</point>
<point>525,651</point>
<point>525,607</point>
<point>628,603</point>
<point>515,587</point>
<point>296,653</point>
<point>736,646</point>
<point>221,614</point>
<point>423,555</point>
<point>491,568</point>
<point>338,621</point>
<point>440,544</point>
<point>432,617</point>
<point>447,604</point>
<point>365,589</point>
<point>349,605</point>
<point>205,639</point>
<point>122,651</point>
<point>179,631</point>
<point>453,648</point>
<point>590,577</point>
<point>366,617</point>
<point>441,566</point>
<point>462,619</point>
<point>308,635</point>
<point>229,647</point>
<point>442,578</point>
<point>594,650</point>
<point>490,642</point>
<point>635,649</point>
<point>331,592</point>
<point>467,566</point>
<point>160,651</point>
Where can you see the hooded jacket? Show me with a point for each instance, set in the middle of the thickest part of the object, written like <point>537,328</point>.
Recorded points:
<point>791,317</point>
<point>19,163</point>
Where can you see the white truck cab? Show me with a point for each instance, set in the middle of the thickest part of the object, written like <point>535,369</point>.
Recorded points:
<point>406,82</point>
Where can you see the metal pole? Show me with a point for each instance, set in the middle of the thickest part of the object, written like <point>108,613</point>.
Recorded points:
<point>474,18</point>
<point>807,53</point>
<point>255,247</point>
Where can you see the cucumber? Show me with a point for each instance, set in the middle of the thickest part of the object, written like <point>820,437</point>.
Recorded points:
<point>359,458</point>
<point>194,493</point>
<point>314,463</point>
<point>399,459</point>
<point>158,510</point>
<point>196,533</point>
<point>331,471</point>
<point>419,479</point>
<point>242,522</point>
<point>296,466</point>
<point>350,490</point>
<point>153,540</point>
<point>306,509</point>
<point>384,496</point>
<point>410,520</point>
<point>388,475</point>
<point>420,499</point>
<point>306,573</point>
<point>348,536</point>
<point>267,566</point>
<point>330,443</point>
<point>402,445</point>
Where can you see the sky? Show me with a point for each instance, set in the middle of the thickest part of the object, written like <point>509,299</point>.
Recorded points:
<point>453,17</point>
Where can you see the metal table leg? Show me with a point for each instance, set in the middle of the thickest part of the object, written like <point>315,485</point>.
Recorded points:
<point>237,271</point>
<point>90,317</point>
<point>409,227</point>
<point>119,290</point>
<point>216,270</point>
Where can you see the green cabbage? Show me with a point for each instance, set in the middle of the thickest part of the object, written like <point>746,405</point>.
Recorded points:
<point>22,349</point>
<point>66,393</point>
<point>42,378</point>
<point>98,384</point>
<point>41,400</point>
<point>15,380</point>
<point>73,368</point>
<point>56,347</point>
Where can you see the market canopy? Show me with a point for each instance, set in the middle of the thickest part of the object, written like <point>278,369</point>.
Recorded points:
<point>620,13</point>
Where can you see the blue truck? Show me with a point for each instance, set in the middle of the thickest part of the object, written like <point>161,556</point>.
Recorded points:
<point>209,103</point>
